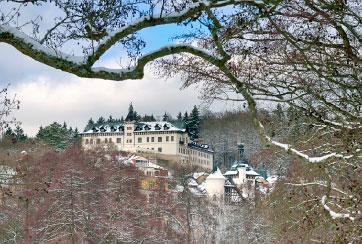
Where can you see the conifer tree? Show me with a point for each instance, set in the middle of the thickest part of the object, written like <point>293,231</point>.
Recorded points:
<point>110,119</point>
<point>19,134</point>
<point>55,135</point>
<point>185,119</point>
<point>131,113</point>
<point>9,133</point>
<point>179,116</point>
<point>165,117</point>
<point>89,125</point>
<point>100,121</point>
<point>194,124</point>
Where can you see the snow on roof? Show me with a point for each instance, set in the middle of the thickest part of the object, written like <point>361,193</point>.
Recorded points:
<point>157,126</point>
<point>196,175</point>
<point>231,172</point>
<point>139,126</point>
<point>199,146</point>
<point>252,173</point>
<point>192,182</point>
<point>216,175</point>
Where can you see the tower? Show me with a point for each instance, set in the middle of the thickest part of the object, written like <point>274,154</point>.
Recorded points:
<point>240,155</point>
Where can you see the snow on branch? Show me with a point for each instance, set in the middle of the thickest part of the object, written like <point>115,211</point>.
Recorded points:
<point>77,66</point>
<point>318,183</point>
<point>289,148</point>
<point>22,41</point>
<point>334,214</point>
<point>82,66</point>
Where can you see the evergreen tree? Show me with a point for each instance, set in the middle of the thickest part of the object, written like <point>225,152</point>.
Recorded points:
<point>89,125</point>
<point>122,119</point>
<point>165,117</point>
<point>194,124</point>
<point>76,133</point>
<point>9,133</point>
<point>19,134</point>
<point>179,116</point>
<point>148,118</point>
<point>100,121</point>
<point>185,118</point>
<point>131,114</point>
<point>55,135</point>
<point>111,120</point>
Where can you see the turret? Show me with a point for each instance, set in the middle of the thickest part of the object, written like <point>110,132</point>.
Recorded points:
<point>215,184</point>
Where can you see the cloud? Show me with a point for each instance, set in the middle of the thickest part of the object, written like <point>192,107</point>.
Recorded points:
<point>46,99</point>
<point>49,95</point>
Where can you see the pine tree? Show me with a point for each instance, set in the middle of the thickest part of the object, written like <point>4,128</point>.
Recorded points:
<point>110,119</point>
<point>179,116</point>
<point>165,117</point>
<point>19,134</point>
<point>131,114</point>
<point>148,118</point>
<point>89,125</point>
<point>194,124</point>
<point>100,121</point>
<point>185,118</point>
<point>122,119</point>
<point>9,133</point>
<point>76,133</point>
<point>55,135</point>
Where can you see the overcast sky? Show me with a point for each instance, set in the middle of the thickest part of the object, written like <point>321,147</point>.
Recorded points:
<point>48,95</point>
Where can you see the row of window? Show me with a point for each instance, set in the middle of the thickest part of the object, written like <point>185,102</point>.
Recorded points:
<point>139,140</point>
<point>159,139</point>
<point>98,141</point>
<point>193,152</point>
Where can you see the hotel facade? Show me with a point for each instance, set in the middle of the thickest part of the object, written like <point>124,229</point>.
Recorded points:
<point>150,137</point>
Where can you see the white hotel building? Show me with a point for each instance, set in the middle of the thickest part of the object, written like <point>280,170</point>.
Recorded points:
<point>156,137</point>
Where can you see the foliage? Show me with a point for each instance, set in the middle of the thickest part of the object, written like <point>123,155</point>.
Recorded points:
<point>56,135</point>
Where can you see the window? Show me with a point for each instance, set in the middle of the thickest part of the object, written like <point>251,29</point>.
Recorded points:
<point>119,140</point>
<point>91,141</point>
<point>106,140</point>
<point>129,134</point>
<point>159,139</point>
<point>148,139</point>
<point>130,140</point>
<point>110,140</point>
<point>98,141</point>
<point>152,149</point>
<point>129,128</point>
<point>86,141</point>
<point>172,138</point>
<point>139,139</point>
<point>160,149</point>
<point>152,139</point>
<point>167,138</point>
